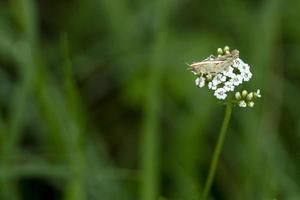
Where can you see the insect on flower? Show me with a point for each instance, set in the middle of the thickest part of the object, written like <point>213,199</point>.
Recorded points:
<point>214,65</point>
<point>224,73</point>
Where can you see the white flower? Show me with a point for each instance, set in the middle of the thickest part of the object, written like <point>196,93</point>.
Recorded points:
<point>219,78</point>
<point>229,72</point>
<point>212,86</point>
<point>244,67</point>
<point>236,80</point>
<point>200,82</point>
<point>257,93</point>
<point>228,86</point>
<point>247,75</point>
<point>237,63</point>
<point>222,78</point>
<point>242,104</point>
<point>251,104</point>
<point>220,93</point>
<point>215,82</point>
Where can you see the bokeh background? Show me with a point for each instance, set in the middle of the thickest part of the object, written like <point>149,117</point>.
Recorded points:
<point>96,101</point>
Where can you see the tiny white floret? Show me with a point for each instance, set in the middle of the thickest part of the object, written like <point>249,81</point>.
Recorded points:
<point>247,75</point>
<point>229,72</point>
<point>242,104</point>
<point>220,93</point>
<point>212,86</point>
<point>228,86</point>
<point>236,80</point>
<point>244,67</point>
<point>219,78</point>
<point>257,93</point>
<point>200,82</point>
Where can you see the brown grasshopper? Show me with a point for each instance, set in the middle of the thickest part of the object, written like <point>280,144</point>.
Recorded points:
<point>213,65</point>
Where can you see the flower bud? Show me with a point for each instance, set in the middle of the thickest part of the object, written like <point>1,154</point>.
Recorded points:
<point>251,104</point>
<point>244,93</point>
<point>238,96</point>
<point>226,48</point>
<point>250,96</point>
<point>208,77</point>
<point>220,51</point>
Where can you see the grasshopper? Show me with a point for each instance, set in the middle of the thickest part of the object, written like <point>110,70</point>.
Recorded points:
<point>214,65</point>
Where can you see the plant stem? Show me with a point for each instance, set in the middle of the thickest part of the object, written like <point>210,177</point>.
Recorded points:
<point>217,151</point>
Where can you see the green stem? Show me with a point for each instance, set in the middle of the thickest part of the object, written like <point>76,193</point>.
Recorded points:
<point>217,151</point>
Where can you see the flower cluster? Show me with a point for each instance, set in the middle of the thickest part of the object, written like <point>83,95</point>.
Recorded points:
<point>225,77</point>
<point>245,99</point>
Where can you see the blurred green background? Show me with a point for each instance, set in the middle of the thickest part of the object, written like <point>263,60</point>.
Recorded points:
<point>96,101</point>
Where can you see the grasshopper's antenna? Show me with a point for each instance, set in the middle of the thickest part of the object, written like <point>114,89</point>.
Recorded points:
<point>189,66</point>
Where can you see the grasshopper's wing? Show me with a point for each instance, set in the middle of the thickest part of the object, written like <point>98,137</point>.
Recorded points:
<point>207,61</point>
<point>224,64</point>
<point>204,67</point>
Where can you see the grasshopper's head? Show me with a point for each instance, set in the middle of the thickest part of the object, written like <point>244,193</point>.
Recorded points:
<point>235,53</point>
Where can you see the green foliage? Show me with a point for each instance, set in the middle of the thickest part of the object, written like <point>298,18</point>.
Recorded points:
<point>96,101</point>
